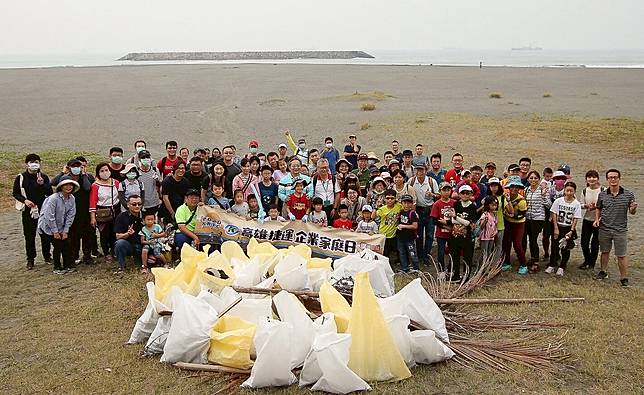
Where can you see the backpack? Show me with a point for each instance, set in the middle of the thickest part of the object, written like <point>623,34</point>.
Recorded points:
<point>315,181</point>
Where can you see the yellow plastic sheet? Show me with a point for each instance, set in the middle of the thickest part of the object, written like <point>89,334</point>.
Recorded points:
<point>319,263</point>
<point>332,302</point>
<point>230,342</point>
<point>373,354</point>
<point>231,250</point>
<point>257,248</point>
<point>302,250</point>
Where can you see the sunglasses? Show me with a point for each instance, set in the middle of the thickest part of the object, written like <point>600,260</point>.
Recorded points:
<point>136,204</point>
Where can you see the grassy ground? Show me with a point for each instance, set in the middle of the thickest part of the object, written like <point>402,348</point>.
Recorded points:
<point>67,334</point>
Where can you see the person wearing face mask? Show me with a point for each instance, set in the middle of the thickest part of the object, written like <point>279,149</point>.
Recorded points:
<point>131,186</point>
<point>139,146</point>
<point>30,188</point>
<point>299,149</point>
<point>330,153</point>
<point>253,149</point>
<point>116,163</point>
<point>81,230</point>
<point>151,179</point>
<point>104,206</point>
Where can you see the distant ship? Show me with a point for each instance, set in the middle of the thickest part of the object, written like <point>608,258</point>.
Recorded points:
<point>528,48</point>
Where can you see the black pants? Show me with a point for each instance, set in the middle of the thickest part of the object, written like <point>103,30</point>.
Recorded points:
<point>29,230</point>
<point>532,230</point>
<point>106,230</point>
<point>564,253</point>
<point>329,219</point>
<point>82,231</point>
<point>458,245</point>
<point>62,249</point>
<point>589,242</point>
<point>391,248</point>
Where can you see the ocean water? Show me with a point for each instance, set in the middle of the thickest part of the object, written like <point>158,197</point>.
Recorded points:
<point>442,57</point>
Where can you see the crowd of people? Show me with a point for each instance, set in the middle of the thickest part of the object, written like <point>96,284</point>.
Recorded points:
<point>405,195</point>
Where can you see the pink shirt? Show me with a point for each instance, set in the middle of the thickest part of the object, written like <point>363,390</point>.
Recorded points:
<point>488,232</point>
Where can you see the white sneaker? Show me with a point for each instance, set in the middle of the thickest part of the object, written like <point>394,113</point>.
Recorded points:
<point>560,272</point>
<point>549,270</point>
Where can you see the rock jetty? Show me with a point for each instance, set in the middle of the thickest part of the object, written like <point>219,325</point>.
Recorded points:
<point>269,55</point>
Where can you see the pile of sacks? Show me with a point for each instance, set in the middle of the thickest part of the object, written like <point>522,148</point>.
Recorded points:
<point>339,352</point>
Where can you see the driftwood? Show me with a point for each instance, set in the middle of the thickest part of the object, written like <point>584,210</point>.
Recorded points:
<point>210,368</point>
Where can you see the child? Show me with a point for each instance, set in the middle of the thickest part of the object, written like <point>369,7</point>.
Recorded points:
<point>150,235</point>
<point>240,207</point>
<point>283,170</point>
<point>389,214</point>
<point>253,207</point>
<point>367,224</point>
<point>514,221</point>
<point>488,223</point>
<point>463,220</point>
<point>274,214</point>
<point>267,188</point>
<point>441,213</point>
<point>343,222</point>
<point>318,216</point>
<point>218,199</point>
<point>556,182</point>
<point>298,203</point>
<point>466,179</point>
<point>406,235</point>
<point>566,211</point>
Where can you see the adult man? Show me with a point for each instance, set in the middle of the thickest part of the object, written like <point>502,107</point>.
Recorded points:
<point>287,183</point>
<point>426,190</point>
<point>611,217</point>
<point>387,158</point>
<point>273,160</point>
<point>326,187</point>
<point>330,153</point>
<point>139,145</point>
<point>314,156</point>
<point>232,169</point>
<point>186,218</point>
<point>253,149</point>
<point>55,220</point>
<point>184,153</point>
<point>524,169</point>
<point>395,149</point>
<point>453,176</point>
<point>196,174</point>
<point>363,174</point>
<point>490,169</point>
<point>30,188</point>
<point>173,189</point>
<point>407,167</point>
<point>116,163</point>
<point>127,226</point>
<point>352,150</point>
<point>81,229</point>
<point>166,165</point>
<point>437,172</point>
<point>151,180</point>
<point>419,158</point>
<point>299,149</point>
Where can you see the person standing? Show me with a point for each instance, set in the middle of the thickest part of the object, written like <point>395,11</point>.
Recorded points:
<point>437,172</point>
<point>166,164</point>
<point>419,157</point>
<point>395,149</point>
<point>330,153</point>
<point>139,146</point>
<point>151,180</point>
<point>55,220</point>
<point>406,235</point>
<point>363,174</point>
<point>116,163</point>
<point>196,173</point>
<point>453,176</point>
<point>299,149</point>
<point>127,226</point>
<point>104,206</point>
<point>173,190</point>
<point>326,187</point>
<point>611,218</point>
<point>407,167</point>
<point>232,169</point>
<point>352,150</point>
<point>515,225</point>
<point>590,234</point>
<point>536,196</point>
<point>30,188</point>
<point>426,189</point>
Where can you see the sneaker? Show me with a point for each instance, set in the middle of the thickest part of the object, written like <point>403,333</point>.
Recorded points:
<point>602,275</point>
<point>560,272</point>
<point>70,270</point>
<point>77,261</point>
<point>506,267</point>
<point>30,264</point>
<point>523,270</point>
<point>624,282</point>
<point>48,260</point>
<point>584,266</point>
<point>60,272</point>
<point>119,271</point>
<point>549,270</point>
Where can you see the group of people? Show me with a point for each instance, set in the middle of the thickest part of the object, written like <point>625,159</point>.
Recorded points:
<point>406,195</point>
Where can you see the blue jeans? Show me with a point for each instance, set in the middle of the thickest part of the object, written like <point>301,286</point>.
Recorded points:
<point>407,253</point>
<point>123,248</point>
<point>440,254</point>
<point>180,239</point>
<point>425,232</point>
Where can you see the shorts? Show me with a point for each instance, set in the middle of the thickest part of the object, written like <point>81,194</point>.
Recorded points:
<point>153,250</point>
<point>609,237</point>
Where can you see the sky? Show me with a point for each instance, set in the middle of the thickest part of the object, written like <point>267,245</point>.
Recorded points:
<point>121,26</point>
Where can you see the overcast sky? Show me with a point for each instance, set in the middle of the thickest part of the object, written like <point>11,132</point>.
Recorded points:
<point>115,26</point>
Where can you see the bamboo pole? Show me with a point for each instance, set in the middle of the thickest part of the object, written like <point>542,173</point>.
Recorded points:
<point>209,368</point>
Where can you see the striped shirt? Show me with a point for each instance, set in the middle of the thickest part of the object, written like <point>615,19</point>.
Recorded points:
<point>538,203</point>
<point>614,209</point>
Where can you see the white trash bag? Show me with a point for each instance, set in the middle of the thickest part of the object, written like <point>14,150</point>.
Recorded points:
<point>399,328</point>
<point>189,336</point>
<point>272,368</point>
<point>148,321</point>
<point>428,349</point>
<point>251,310</point>
<point>291,310</point>
<point>414,302</point>
<point>158,337</point>
<point>326,366</point>
<point>325,324</point>
<point>291,272</point>
<point>379,273</point>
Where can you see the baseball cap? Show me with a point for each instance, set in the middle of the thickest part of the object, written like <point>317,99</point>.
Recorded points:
<point>465,188</point>
<point>565,168</point>
<point>420,166</point>
<point>374,169</point>
<point>74,163</point>
<point>514,167</point>
<point>559,173</point>
<point>494,180</point>
<point>192,192</point>
<point>300,141</point>
<point>444,185</point>
<point>385,174</point>
<point>363,156</point>
<point>406,198</point>
<point>281,145</point>
<point>465,172</point>
<point>368,208</point>
<point>391,162</point>
<point>490,165</point>
<point>253,143</point>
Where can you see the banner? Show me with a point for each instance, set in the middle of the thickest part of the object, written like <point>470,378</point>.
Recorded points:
<point>215,226</point>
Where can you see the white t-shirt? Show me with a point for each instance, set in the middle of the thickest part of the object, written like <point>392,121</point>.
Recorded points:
<point>566,211</point>
<point>367,227</point>
<point>325,191</point>
<point>589,196</point>
<point>318,218</point>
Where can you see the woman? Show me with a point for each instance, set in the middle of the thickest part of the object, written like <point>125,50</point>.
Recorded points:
<point>494,189</point>
<point>255,164</point>
<point>217,175</point>
<point>342,169</point>
<point>216,155</point>
<point>536,195</point>
<point>354,202</point>
<point>401,187</point>
<point>131,185</point>
<point>245,179</point>
<point>590,234</point>
<point>104,206</point>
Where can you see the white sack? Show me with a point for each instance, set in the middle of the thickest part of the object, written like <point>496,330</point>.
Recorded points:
<point>159,335</point>
<point>399,328</point>
<point>317,277</point>
<point>325,324</point>
<point>428,349</point>
<point>189,336</point>
<point>272,368</point>
<point>248,273</point>
<point>148,321</point>
<point>379,273</point>
<point>251,310</point>
<point>291,272</point>
<point>291,310</point>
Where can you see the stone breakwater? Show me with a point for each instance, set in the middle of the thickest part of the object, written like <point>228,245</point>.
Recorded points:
<point>269,55</point>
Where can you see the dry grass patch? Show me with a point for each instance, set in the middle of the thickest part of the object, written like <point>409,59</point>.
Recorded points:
<point>496,95</point>
<point>547,94</point>
<point>364,126</point>
<point>368,107</point>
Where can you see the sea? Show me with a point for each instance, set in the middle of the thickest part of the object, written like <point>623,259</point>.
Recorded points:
<point>436,57</point>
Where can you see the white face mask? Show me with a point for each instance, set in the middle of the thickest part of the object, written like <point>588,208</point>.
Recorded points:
<point>146,161</point>
<point>76,170</point>
<point>302,145</point>
<point>131,175</point>
<point>117,160</point>
<point>329,145</point>
<point>104,174</point>
<point>139,149</point>
<point>33,166</point>
<point>253,150</point>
